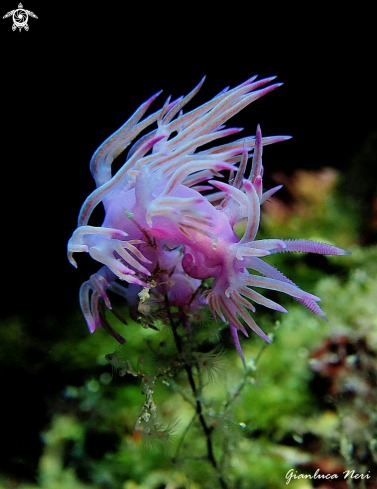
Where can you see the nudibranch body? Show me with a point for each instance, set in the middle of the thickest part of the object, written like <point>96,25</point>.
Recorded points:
<point>169,223</point>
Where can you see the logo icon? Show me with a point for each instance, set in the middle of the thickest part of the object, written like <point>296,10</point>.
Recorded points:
<point>20,17</point>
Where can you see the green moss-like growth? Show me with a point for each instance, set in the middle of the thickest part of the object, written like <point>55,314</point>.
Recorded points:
<point>305,399</point>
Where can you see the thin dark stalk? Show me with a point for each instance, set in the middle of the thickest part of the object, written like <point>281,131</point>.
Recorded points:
<point>207,430</point>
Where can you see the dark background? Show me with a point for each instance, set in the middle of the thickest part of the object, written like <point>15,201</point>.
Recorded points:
<point>81,71</point>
